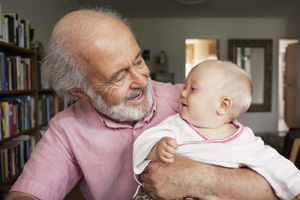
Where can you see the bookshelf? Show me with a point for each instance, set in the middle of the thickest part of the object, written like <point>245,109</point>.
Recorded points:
<point>26,130</point>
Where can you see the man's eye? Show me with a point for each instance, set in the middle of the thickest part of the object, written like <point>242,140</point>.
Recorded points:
<point>139,64</point>
<point>121,77</point>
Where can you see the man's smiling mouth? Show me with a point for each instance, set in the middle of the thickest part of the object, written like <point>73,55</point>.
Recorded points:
<point>138,96</point>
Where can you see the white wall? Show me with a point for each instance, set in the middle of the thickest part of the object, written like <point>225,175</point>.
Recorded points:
<point>169,34</point>
<point>42,14</point>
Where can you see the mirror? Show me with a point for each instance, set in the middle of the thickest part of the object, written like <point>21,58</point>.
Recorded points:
<point>255,56</point>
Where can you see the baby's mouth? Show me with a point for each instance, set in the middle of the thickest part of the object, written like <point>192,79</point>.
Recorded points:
<point>184,105</point>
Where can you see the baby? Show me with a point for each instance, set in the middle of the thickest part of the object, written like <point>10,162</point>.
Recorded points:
<point>206,129</point>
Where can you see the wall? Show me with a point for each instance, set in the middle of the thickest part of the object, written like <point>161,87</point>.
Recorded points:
<point>169,34</point>
<point>158,34</point>
<point>42,14</point>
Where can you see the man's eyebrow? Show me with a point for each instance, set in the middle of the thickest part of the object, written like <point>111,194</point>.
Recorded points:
<point>140,53</point>
<point>115,75</point>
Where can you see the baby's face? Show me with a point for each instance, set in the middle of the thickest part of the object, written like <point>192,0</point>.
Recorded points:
<point>199,101</point>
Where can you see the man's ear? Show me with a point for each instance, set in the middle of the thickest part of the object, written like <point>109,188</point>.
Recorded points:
<point>225,105</point>
<point>79,93</point>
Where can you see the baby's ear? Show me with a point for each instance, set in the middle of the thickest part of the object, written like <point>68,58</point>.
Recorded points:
<point>225,105</point>
<point>79,93</point>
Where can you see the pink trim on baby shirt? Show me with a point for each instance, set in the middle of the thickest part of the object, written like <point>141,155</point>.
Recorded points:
<point>207,139</point>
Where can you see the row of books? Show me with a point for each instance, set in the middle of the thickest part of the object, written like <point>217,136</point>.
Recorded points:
<point>41,82</point>
<point>15,73</point>
<point>48,107</point>
<point>16,114</point>
<point>14,30</point>
<point>51,104</point>
<point>14,154</point>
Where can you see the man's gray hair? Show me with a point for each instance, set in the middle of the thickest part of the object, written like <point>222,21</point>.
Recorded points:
<point>61,71</point>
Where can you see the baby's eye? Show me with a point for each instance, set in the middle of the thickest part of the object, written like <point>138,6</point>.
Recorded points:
<point>193,89</point>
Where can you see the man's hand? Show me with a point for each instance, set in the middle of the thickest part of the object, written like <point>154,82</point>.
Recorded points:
<point>187,178</point>
<point>166,149</point>
<point>167,181</point>
<point>20,196</point>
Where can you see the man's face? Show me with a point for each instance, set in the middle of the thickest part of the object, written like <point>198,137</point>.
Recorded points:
<point>118,73</point>
<point>122,112</point>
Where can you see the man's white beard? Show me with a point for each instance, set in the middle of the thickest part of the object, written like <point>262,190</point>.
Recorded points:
<point>122,112</point>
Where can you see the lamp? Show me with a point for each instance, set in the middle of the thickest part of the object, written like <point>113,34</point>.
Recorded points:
<point>190,1</point>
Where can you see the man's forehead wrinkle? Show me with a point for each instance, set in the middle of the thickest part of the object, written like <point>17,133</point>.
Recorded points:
<point>78,27</point>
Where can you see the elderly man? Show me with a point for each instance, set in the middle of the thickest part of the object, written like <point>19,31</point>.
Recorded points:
<point>94,56</point>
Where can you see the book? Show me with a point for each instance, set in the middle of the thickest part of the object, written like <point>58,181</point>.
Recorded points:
<point>1,126</point>
<point>21,149</point>
<point>13,115</point>
<point>43,129</point>
<point>27,72</point>
<point>16,27</point>
<point>5,120</point>
<point>16,155</point>
<point>32,111</point>
<point>17,72</point>
<point>5,28</point>
<point>10,74</point>
<point>13,62</point>
<point>3,70</point>
<point>26,146</point>
<point>23,112</point>
<point>9,116</point>
<point>26,32</point>
<point>21,34</point>
<point>5,163</point>
<point>12,157</point>
<point>9,28</point>
<point>1,24</point>
<point>1,167</point>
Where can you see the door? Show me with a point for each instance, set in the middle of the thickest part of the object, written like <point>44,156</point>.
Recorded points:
<point>290,83</point>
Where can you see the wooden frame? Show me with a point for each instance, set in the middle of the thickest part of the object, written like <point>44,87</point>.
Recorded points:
<point>233,44</point>
<point>295,150</point>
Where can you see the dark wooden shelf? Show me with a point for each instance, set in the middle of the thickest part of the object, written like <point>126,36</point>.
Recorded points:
<point>6,184</point>
<point>14,50</point>
<point>27,132</point>
<point>17,92</point>
<point>46,91</point>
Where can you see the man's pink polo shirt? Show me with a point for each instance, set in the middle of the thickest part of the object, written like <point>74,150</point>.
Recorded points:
<point>83,146</point>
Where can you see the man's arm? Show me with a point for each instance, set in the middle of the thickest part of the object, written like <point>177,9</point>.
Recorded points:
<point>188,178</point>
<point>20,196</point>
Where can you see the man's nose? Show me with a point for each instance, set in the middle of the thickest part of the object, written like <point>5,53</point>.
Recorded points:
<point>139,79</point>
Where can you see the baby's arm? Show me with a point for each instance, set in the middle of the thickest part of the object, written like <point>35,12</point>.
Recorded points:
<point>164,150</point>
<point>298,197</point>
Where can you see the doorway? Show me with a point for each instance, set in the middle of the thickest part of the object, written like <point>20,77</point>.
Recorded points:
<point>286,61</point>
<point>198,50</point>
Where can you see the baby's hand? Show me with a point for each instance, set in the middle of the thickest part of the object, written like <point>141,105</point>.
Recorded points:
<point>166,149</point>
